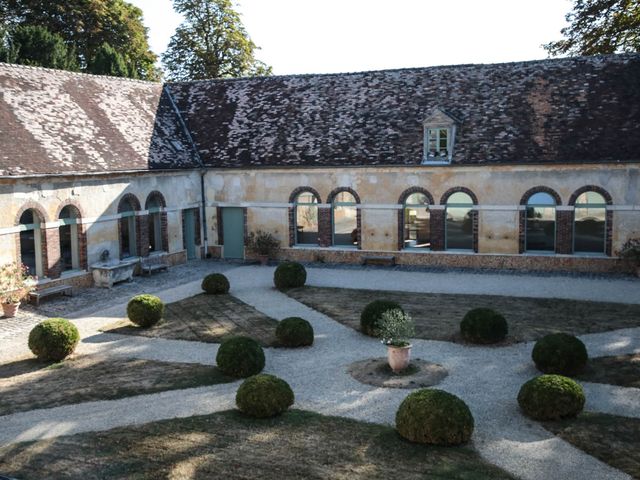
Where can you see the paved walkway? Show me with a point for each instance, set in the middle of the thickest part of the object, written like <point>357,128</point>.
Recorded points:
<point>488,379</point>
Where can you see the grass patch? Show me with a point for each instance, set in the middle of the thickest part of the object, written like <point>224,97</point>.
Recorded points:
<point>622,370</point>
<point>229,445</point>
<point>613,439</point>
<point>438,316</point>
<point>206,318</point>
<point>30,384</point>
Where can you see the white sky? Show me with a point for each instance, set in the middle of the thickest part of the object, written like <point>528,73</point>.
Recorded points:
<point>325,36</point>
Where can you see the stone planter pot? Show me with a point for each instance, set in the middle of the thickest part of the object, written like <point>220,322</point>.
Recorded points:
<point>264,259</point>
<point>398,357</point>
<point>10,309</point>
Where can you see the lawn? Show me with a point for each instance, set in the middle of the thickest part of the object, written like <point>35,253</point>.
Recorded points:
<point>29,384</point>
<point>206,318</point>
<point>228,445</point>
<point>438,316</point>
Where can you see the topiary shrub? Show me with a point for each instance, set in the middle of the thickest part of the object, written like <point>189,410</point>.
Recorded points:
<point>483,325</point>
<point>289,275</point>
<point>371,316</point>
<point>215,284</point>
<point>294,332</point>
<point>560,353</point>
<point>240,357</point>
<point>145,310</point>
<point>53,339</point>
<point>551,397</point>
<point>264,396</point>
<point>435,417</point>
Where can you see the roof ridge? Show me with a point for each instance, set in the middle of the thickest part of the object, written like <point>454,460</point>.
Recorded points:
<point>59,71</point>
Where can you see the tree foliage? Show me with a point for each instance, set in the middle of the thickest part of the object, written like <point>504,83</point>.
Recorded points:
<point>107,61</point>
<point>36,46</point>
<point>210,43</point>
<point>600,27</point>
<point>85,26</point>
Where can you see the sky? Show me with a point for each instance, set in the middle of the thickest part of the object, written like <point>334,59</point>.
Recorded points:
<point>329,36</point>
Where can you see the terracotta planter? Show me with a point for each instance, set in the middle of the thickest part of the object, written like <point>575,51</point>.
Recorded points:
<point>398,357</point>
<point>10,309</point>
<point>264,259</point>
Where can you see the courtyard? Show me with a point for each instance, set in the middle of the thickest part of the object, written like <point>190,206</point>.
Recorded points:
<point>153,404</point>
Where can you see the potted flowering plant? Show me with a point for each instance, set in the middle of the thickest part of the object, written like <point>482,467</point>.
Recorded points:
<point>15,284</point>
<point>263,244</point>
<point>630,254</point>
<point>395,330</point>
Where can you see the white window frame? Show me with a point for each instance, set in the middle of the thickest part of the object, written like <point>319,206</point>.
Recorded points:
<point>451,132</point>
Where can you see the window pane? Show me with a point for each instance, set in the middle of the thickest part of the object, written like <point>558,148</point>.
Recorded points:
<point>344,197</point>
<point>541,198</point>
<point>27,217</point>
<point>541,229</point>
<point>460,198</point>
<point>589,229</point>
<point>417,233</point>
<point>590,198</point>
<point>155,232</point>
<point>417,199</point>
<point>306,224</point>
<point>124,237</point>
<point>459,228</point>
<point>66,252</point>
<point>306,197</point>
<point>28,250</point>
<point>345,226</point>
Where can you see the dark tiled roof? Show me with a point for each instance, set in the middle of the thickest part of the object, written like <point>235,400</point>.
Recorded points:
<point>57,122</point>
<point>584,109</point>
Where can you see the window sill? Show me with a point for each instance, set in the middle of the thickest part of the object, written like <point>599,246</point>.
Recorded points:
<point>435,162</point>
<point>416,250</point>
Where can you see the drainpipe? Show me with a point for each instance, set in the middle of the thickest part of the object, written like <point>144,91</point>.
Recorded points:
<point>203,195</point>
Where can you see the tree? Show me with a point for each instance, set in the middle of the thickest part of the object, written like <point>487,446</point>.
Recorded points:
<point>38,47</point>
<point>107,61</point>
<point>210,43</point>
<point>600,27</point>
<point>86,25</point>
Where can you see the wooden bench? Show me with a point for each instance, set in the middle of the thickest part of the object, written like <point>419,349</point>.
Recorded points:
<point>154,263</point>
<point>38,295</point>
<point>386,260</point>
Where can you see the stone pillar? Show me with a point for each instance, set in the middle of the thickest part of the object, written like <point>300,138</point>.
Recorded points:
<point>51,261</point>
<point>436,223</point>
<point>142,237</point>
<point>325,233</point>
<point>564,231</point>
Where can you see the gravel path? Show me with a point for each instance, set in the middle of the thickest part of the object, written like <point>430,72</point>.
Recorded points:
<point>488,379</point>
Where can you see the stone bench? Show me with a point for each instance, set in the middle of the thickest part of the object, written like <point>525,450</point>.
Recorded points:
<point>154,263</point>
<point>38,295</point>
<point>386,260</point>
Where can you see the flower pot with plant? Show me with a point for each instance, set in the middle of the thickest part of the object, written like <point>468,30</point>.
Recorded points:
<point>630,255</point>
<point>263,244</point>
<point>395,331</point>
<point>15,284</point>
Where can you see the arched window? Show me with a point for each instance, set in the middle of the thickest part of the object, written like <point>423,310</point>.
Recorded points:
<point>69,238</point>
<point>540,233</point>
<point>31,242</point>
<point>154,205</point>
<point>306,219</point>
<point>459,222</point>
<point>417,232</point>
<point>344,219</point>
<point>589,235</point>
<point>128,232</point>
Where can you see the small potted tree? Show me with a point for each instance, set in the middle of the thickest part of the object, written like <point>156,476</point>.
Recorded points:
<point>15,284</point>
<point>630,254</point>
<point>263,244</point>
<point>395,330</point>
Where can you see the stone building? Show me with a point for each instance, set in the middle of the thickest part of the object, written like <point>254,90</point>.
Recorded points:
<point>531,165</point>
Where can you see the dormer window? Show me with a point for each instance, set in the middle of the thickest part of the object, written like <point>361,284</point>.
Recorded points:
<point>439,137</point>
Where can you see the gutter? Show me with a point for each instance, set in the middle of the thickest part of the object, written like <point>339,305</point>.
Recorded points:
<point>203,170</point>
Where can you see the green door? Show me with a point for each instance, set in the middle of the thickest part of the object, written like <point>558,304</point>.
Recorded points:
<point>189,228</point>
<point>233,232</point>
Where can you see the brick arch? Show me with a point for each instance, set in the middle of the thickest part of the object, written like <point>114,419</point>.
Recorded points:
<point>451,191</point>
<point>590,188</point>
<point>608,244</point>
<point>540,189</point>
<point>403,198</point>
<point>330,199</point>
<point>299,190</point>
<point>158,195</point>
<point>36,207</point>
<point>43,219</point>
<point>70,203</point>
<point>140,226</point>
<point>55,268</point>
<point>131,198</point>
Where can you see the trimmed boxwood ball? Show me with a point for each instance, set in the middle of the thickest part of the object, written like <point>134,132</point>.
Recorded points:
<point>483,325</point>
<point>560,353</point>
<point>435,417</point>
<point>145,310</point>
<point>551,397</point>
<point>53,339</point>
<point>264,396</point>
<point>372,314</point>
<point>294,332</point>
<point>240,357</point>
<point>289,275</point>
<point>215,284</point>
